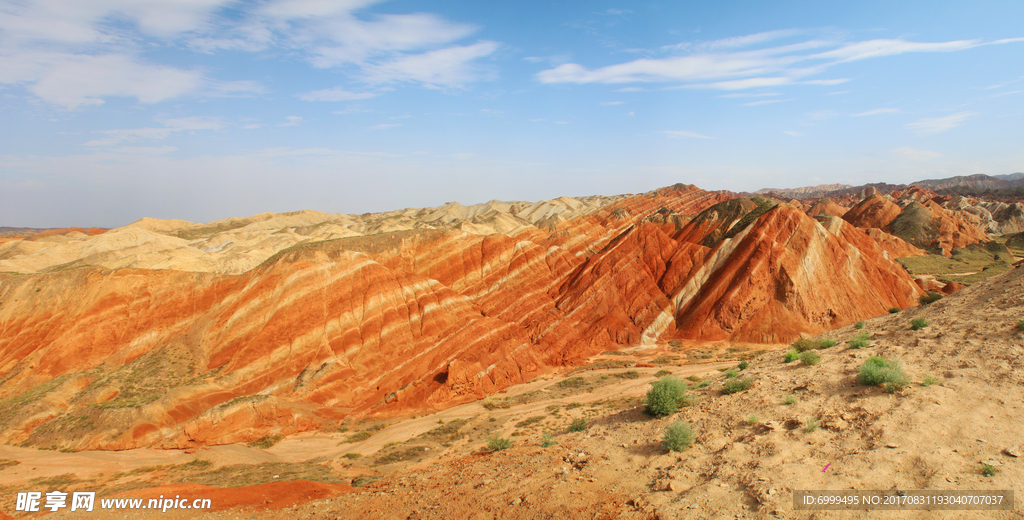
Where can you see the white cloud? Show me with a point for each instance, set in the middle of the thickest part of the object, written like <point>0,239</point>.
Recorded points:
<point>734,42</point>
<point>765,102</point>
<point>450,67</point>
<point>720,65</point>
<point>683,134</point>
<point>630,113</point>
<point>171,126</point>
<point>75,54</point>
<point>335,94</point>
<point>750,95</point>
<point>937,125</point>
<point>144,150</point>
<point>877,111</point>
<point>73,81</point>
<point>913,154</point>
<point>609,103</point>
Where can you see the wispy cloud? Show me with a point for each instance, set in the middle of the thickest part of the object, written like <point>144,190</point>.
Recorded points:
<point>292,121</point>
<point>170,127</point>
<point>914,154</point>
<point>937,125</point>
<point>878,111</point>
<point>750,94</point>
<point>765,102</point>
<point>77,56</point>
<point>385,126</point>
<point>684,134</point>
<point>728,65</point>
<point>335,94</point>
<point>793,133</point>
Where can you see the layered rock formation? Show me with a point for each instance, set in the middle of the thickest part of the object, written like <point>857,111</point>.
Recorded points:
<point>240,329</point>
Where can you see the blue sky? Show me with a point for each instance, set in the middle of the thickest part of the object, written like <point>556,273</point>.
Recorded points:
<point>115,110</point>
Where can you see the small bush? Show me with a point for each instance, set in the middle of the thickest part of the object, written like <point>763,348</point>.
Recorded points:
<point>498,443</point>
<point>731,374</point>
<point>791,356</point>
<point>811,426</point>
<point>352,456</point>
<point>678,436</point>
<point>743,365</point>
<point>737,385</point>
<point>578,425</point>
<point>929,381</point>
<point>859,341</point>
<point>662,373</point>
<point>265,443</point>
<point>805,344</point>
<point>894,310</point>
<point>859,325</point>
<point>878,371</point>
<point>702,384</point>
<point>931,297</point>
<point>1020,325</point>
<point>810,358</point>
<point>665,397</point>
<point>630,374</point>
<point>988,470</point>
<point>753,420</point>
<point>789,399</point>
<point>572,382</point>
<point>918,324</point>
<point>546,441</point>
<point>694,378</point>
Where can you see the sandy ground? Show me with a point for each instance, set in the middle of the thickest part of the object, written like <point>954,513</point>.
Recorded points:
<point>753,449</point>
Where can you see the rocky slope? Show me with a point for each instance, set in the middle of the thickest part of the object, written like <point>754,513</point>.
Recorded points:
<point>180,334</point>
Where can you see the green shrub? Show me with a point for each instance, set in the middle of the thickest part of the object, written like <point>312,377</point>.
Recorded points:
<point>731,374</point>
<point>988,470</point>
<point>678,436</point>
<point>789,399</point>
<point>578,425</point>
<point>918,324</point>
<point>498,443</point>
<point>791,356</point>
<point>810,358</point>
<point>743,365</point>
<point>265,443</point>
<point>894,310</point>
<point>666,396</point>
<point>546,441</point>
<point>753,420</point>
<point>702,384</point>
<point>737,385</point>
<point>931,297</point>
<point>878,371</point>
<point>805,344</point>
<point>1020,325</point>
<point>352,456</point>
<point>859,341</point>
<point>663,373</point>
<point>811,426</point>
<point>629,374</point>
<point>929,381</point>
<point>859,325</point>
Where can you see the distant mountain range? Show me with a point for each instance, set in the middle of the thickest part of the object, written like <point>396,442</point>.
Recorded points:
<point>959,185</point>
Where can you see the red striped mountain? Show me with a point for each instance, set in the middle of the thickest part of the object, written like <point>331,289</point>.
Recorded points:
<point>401,321</point>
